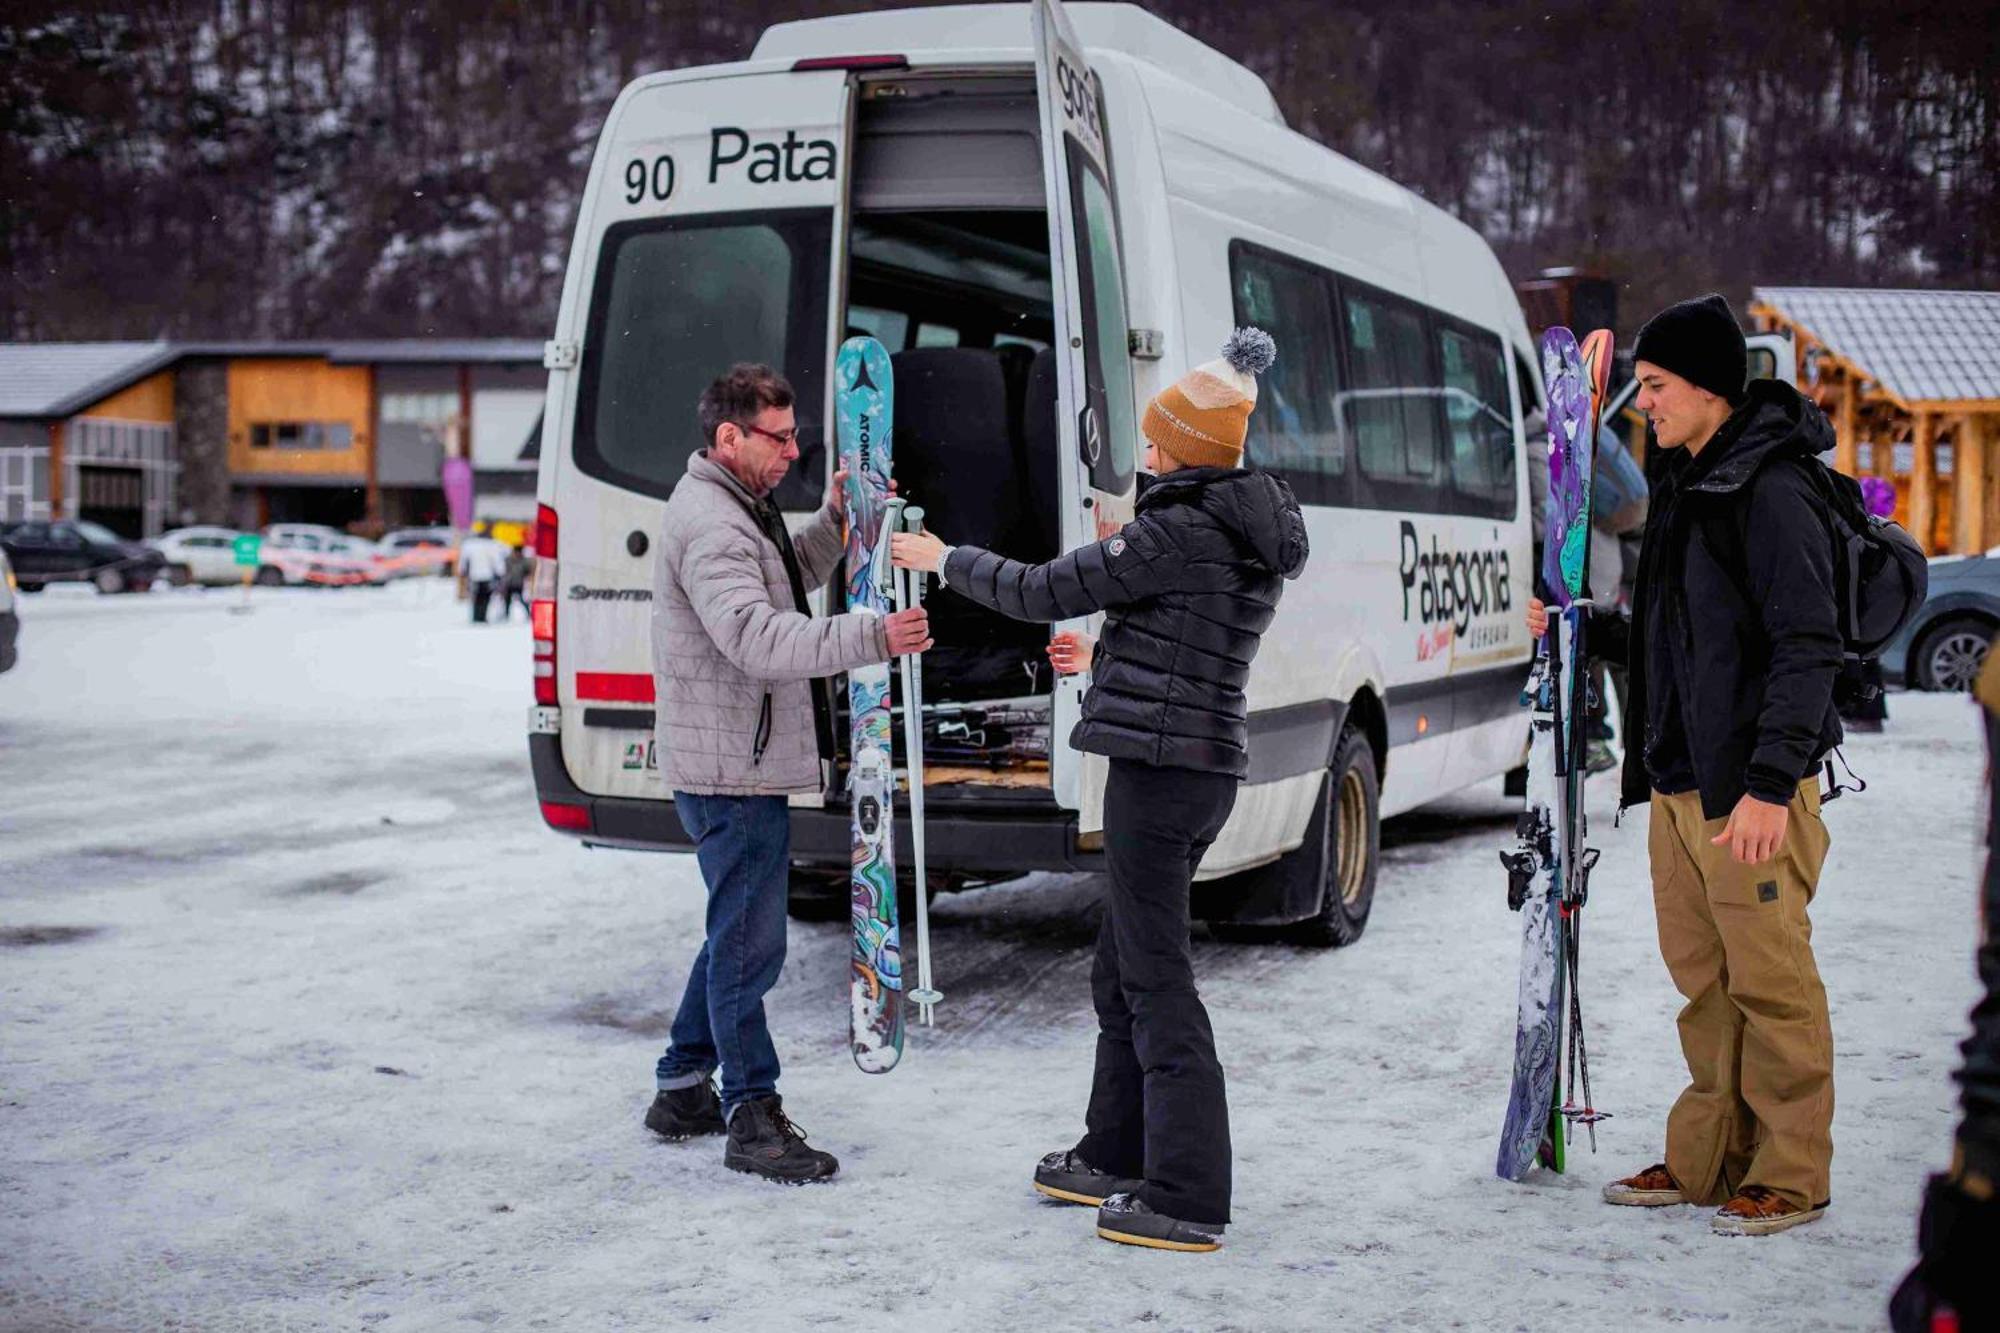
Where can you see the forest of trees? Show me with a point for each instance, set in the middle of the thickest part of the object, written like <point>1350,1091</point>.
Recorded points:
<point>376,168</point>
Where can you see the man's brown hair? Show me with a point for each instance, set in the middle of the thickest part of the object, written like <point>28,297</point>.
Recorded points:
<point>740,394</point>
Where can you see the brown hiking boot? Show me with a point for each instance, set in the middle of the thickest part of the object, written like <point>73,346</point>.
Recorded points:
<point>1651,1188</point>
<point>1756,1211</point>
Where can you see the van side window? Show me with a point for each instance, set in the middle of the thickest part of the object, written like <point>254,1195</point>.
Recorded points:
<point>1106,332</point>
<point>891,328</point>
<point>1478,422</point>
<point>1295,431</point>
<point>1391,403</point>
<point>675,303</point>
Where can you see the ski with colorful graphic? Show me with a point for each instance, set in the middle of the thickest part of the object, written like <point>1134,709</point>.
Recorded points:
<point>864,407</point>
<point>1548,872</point>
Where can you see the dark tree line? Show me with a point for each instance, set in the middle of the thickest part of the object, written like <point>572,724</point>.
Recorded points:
<point>357,168</point>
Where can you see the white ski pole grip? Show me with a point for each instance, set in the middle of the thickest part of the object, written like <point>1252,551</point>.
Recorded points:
<point>909,593</point>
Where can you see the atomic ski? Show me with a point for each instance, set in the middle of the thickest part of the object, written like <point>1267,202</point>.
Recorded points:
<point>1548,872</point>
<point>864,405</point>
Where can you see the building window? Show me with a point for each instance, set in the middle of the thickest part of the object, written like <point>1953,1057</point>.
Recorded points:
<point>333,435</point>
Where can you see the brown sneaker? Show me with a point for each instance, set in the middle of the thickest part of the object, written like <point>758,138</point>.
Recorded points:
<point>1651,1188</point>
<point>1756,1211</point>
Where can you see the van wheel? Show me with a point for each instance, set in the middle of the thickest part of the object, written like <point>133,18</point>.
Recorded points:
<point>1334,866</point>
<point>1350,827</point>
<point>269,576</point>
<point>179,576</point>
<point>109,581</point>
<point>1951,655</point>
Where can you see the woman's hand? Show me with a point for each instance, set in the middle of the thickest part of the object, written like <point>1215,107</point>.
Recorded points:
<point>921,551</point>
<point>1070,652</point>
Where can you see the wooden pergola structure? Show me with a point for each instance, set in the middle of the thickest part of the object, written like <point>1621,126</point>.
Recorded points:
<point>1911,381</point>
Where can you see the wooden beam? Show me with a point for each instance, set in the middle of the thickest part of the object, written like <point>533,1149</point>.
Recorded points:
<point>55,496</point>
<point>1923,483</point>
<point>1847,443</point>
<point>1968,486</point>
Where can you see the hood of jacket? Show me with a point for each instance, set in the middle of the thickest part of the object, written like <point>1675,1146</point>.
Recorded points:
<point>1255,508</point>
<point>1773,421</point>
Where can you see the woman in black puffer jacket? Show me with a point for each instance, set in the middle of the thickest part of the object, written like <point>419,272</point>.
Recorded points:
<point>1189,585</point>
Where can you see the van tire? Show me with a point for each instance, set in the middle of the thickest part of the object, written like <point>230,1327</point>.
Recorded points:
<point>1350,847</point>
<point>109,581</point>
<point>269,576</point>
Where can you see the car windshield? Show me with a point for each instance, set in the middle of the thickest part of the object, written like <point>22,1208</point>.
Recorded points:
<point>94,533</point>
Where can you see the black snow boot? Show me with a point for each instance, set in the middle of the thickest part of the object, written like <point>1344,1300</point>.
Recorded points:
<point>683,1113</point>
<point>1127,1220</point>
<point>1066,1176</point>
<point>763,1142</point>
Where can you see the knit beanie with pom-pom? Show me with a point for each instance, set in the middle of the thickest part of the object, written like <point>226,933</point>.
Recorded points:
<point>1201,418</point>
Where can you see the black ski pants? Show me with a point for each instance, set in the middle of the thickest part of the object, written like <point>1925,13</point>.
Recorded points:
<point>1158,1111</point>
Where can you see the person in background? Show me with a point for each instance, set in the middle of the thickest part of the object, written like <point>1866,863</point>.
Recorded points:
<point>482,564</point>
<point>514,582</point>
<point>1958,1235</point>
<point>1189,587</point>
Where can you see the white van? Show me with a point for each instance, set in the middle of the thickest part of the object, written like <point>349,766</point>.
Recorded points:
<point>1047,213</point>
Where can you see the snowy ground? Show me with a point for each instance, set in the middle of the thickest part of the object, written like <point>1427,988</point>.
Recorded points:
<point>306,1021</point>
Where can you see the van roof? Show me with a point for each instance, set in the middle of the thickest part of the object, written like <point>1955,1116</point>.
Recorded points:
<point>948,34</point>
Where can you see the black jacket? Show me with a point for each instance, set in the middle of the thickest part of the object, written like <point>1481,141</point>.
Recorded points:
<point>1739,544</point>
<point>1191,583</point>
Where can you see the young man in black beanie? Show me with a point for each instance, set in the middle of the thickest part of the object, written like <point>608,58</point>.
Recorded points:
<point>1732,650</point>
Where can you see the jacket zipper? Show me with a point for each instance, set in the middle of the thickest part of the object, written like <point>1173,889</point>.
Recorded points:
<point>763,736</point>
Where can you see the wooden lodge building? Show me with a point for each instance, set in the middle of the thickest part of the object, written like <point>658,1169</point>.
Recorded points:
<point>142,437</point>
<point>1911,381</point>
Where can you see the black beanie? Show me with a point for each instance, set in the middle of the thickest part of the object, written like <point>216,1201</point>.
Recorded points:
<point>1701,342</point>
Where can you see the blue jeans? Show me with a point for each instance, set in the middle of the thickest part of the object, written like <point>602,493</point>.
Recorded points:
<point>743,845</point>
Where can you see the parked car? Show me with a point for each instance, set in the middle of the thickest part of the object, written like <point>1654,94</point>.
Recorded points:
<point>10,617</point>
<point>410,551</point>
<point>1944,646</point>
<point>310,553</point>
<point>205,555</point>
<point>79,551</point>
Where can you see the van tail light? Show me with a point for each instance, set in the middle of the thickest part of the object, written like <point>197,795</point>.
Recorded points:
<point>884,61</point>
<point>542,587</point>
<point>568,818</point>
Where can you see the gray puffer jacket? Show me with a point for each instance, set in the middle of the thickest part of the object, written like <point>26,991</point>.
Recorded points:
<point>732,658</point>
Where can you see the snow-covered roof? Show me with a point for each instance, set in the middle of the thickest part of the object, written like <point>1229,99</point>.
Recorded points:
<point>949,34</point>
<point>57,379</point>
<point>1921,346</point>
<point>50,380</point>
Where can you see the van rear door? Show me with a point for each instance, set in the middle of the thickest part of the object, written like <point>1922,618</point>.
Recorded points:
<point>708,237</point>
<point>1097,422</point>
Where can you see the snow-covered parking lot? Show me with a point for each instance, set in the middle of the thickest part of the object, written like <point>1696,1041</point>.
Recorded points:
<point>306,1021</point>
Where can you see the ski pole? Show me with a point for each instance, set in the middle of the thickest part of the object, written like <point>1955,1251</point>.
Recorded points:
<point>910,592</point>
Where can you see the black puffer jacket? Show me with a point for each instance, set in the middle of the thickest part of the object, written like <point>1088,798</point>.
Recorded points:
<point>1190,585</point>
<point>1738,559</point>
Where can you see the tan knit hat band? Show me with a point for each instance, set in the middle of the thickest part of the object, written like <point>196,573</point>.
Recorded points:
<point>1196,436</point>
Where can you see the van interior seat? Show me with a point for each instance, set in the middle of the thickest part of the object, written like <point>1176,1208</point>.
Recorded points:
<point>959,449</point>
<point>953,454</point>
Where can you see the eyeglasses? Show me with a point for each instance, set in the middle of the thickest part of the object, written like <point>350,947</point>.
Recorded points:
<point>782,437</point>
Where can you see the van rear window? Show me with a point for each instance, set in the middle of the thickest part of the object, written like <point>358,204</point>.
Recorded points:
<point>676,302</point>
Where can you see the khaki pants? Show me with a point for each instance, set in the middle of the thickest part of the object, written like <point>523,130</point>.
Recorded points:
<point>1758,1109</point>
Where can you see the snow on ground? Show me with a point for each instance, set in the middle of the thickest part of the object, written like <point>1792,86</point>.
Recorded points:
<point>305,1020</point>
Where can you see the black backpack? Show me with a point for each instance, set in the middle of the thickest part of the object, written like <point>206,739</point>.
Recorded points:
<point>1880,573</point>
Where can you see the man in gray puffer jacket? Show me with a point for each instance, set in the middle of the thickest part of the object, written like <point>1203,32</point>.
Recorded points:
<point>737,656</point>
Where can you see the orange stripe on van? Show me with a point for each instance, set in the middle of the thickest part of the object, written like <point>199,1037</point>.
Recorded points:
<point>617,687</point>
